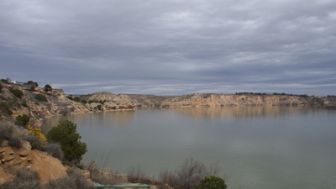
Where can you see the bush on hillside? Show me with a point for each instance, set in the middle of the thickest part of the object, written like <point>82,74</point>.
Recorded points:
<point>5,108</point>
<point>1,87</point>
<point>53,149</point>
<point>10,133</point>
<point>24,104</point>
<point>47,88</point>
<point>34,142</point>
<point>211,182</point>
<point>32,84</point>
<point>65,133</point>
<point>37,132</point>
<point>22,120</point>
<point>40,98</point>
<point>16,92</point>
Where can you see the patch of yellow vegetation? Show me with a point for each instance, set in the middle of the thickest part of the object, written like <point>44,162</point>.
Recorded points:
<point>37,132</point>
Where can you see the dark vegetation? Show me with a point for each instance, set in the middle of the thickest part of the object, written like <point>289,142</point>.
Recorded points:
<point>41,98</point>
<point>16,92</point>
<point>47,88</point>
<point>4,81</point>
<point>211,182</point>
<point>65,133</point>
<point>1,87</point>
<point>5,108</point>
<point>22,120</point>
<point>32,85</point>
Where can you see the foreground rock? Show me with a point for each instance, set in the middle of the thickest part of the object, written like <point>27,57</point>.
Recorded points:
<point>47,167</point>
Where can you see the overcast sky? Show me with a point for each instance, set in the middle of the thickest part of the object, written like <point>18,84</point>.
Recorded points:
<point>171,46</point>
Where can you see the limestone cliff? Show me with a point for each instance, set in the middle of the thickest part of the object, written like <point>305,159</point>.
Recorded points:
<point>105,101</point>
<point>212,100</point>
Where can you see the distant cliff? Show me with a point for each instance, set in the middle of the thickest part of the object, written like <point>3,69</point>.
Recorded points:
<point>236,100</point>
<point>38,102</point>
<point>196,100</point>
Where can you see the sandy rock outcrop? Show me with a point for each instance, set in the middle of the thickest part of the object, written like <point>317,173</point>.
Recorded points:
<point>213,100</point>
<point>47,167</point>
<point>105,101</point>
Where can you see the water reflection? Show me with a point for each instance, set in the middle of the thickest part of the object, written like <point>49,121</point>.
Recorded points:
<point>241,112</point>
<point>105,119</point>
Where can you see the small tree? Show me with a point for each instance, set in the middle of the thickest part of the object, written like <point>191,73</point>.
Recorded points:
<point>32,85</point>
<point>211,182</point>
<point>47,88</point>
<point>66,134</point>
<point>0,87</point>
<point>22,120</point>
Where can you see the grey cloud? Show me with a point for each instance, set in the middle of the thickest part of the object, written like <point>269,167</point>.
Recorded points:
<point>171,47</point>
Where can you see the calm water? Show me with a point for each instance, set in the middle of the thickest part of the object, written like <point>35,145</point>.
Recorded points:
<point>255,148</point>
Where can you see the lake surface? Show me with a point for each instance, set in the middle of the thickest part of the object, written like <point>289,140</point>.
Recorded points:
<point>255,148</point>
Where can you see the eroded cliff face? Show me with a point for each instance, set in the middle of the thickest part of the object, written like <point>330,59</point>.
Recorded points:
<point>47,167</point>
<point>212,100</point>
<point>105,101</point>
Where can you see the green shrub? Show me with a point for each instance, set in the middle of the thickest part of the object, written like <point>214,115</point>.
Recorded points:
<point>47,88</point>
<point>22,120</point>
<point>5,108</point>
<point>66,135</point>
<point>11,133</point>
<point>41,98</point>
<point>211,182</point>
<point>1,87</point>
<point>16,92</point>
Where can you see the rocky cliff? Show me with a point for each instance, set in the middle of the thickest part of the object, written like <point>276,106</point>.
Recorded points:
<point>105,101</point>
<point>242,100</point>
<point>18,99</point>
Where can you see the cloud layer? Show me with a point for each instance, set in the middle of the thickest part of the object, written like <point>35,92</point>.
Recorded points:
<point>171,46</point>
